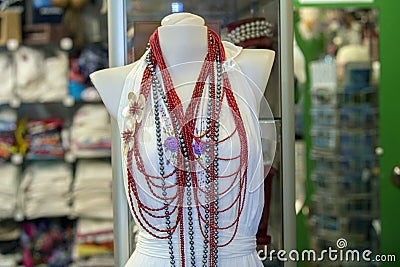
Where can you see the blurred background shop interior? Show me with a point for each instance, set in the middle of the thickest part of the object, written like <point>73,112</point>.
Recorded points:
<point>56,200</point>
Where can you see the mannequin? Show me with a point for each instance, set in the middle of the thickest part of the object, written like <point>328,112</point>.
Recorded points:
<point>256,64</point>
<point>183,40</point>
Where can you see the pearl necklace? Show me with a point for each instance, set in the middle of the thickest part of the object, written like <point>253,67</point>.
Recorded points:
<point>249,29</point>
<point>180,197</point>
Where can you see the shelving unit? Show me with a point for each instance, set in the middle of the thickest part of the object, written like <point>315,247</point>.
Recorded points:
<point>344,136</point>
<point>52,221</point>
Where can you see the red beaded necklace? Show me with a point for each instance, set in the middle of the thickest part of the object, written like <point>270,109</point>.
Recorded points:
<point>187,179</point>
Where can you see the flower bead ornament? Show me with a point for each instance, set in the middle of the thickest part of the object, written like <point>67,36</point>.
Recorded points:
<point>198,148</point>
<point>171,143</point>
<point>132,114</point>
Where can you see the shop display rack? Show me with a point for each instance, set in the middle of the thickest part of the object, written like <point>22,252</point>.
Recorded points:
<point>40,156</point>
<point>344,136</point>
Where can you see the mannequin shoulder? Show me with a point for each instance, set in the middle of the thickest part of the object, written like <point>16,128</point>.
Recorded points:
<point>256,64</point>
<point>110,83</point>
<point>253,59</point>
<point>256,54</point>
<point>117,75</point>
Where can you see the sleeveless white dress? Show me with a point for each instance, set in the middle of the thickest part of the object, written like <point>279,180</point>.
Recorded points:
<point>153,252</point>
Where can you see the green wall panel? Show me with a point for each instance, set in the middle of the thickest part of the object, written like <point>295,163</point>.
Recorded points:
<point>389,109</point>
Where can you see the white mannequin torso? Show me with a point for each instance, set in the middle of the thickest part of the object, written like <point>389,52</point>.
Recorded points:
<point>183,38</point>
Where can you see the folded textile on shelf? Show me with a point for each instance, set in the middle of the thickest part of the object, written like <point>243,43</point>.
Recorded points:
<point>91,114</point>
<point>92,189</point>
<point>8,190</point>
<point>94,242</point>
<point>94,231</point>
<point>10,251</point>
<point>9,230</point>
<point>7,78</point>
<point>44,139</point>
<point>8,261</point>
<point>40,78</point>
<point>45,190</point>
<point>56,69</point>
<point>91,132</point>
<point>8,121</point>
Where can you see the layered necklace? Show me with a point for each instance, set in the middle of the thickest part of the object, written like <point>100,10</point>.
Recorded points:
<point>189,188</point>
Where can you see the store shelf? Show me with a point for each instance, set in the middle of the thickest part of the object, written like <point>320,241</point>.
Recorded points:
<point>37,72</point>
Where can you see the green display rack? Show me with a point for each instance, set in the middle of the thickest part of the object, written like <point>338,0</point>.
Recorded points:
<point>389,132</point>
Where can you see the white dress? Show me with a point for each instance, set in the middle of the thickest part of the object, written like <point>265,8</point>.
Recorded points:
<point>150,251</point>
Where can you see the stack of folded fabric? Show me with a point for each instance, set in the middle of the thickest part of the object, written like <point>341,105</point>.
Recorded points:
<point>8,118</point>
<point>92,189</point>
<point>40,78</point>
<point>92,202</point>
<point>8,190</point>
<point>91,132</point>
<point>10,249</point>
<point>7,78</point>
<point>94,243</point>
<point>44,139</point>
<point>45,189</point>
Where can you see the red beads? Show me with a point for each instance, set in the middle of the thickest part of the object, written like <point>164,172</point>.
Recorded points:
<point>184,128</point>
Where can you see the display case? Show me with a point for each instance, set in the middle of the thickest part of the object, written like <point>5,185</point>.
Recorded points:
<point>130,25</point>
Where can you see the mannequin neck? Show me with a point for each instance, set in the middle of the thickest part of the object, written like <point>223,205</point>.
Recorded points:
<point>183,38</point>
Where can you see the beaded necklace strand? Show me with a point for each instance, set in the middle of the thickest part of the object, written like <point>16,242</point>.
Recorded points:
<point>185,178</point>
